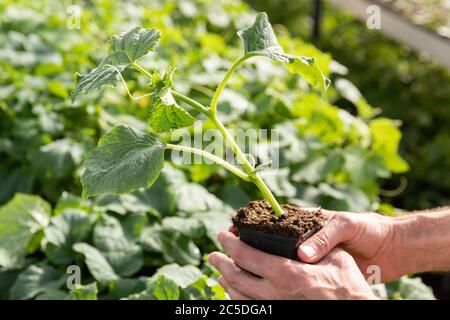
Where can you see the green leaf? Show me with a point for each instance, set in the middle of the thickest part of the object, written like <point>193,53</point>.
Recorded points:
<point>104,74</point>
<point>260,40</point>
<point>173,245</point>
<point>213,222</point>
<point>204,289</point>
<point>165,113</point>
<point>317,167</point>
<point>96,263</point>
<point>308,68</point>
<point>181,276</point>
<point>51,294</point>
<point>164,289</point>
<point>278,181</point>
<point>386,138</point>
<point>70,201</point>
<point>71,226</point>
<point>34,280</point>
<point>15,181</point>
<point>134,43</point>
<point>192,197</point>
<point>189,227</point>
<point>20,219</point>
<point>7,279</point>
<point>143,295</point>
<point>122,288</point>
<point>125,160</point>
<point>124,256</point>
<point>124,50</point>
<point>83,292</point>
<point>409,289</point>
<point>57,159</point>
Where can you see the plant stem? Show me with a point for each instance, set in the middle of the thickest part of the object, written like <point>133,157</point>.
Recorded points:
<point>142,70</point>
<point>197,106</point>
<point>211,113</point>
<point>241,174</point>
<point>255,178</point>
<point>226,78</point>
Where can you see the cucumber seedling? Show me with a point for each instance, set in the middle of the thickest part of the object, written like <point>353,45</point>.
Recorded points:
<point>126,158</point>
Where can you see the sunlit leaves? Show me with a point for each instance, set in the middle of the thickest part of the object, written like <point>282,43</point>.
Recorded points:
<point>165,113</point>
<point>124,50</point>
<point>133,44</point>
<point>386,139</point>
<point>260,40</point>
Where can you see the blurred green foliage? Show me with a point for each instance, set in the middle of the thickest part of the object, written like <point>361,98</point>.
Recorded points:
<point>405,85</point>
<point>135,246</point>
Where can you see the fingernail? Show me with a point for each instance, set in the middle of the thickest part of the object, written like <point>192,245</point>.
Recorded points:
<point>308,251</point>
<point>212,258</point>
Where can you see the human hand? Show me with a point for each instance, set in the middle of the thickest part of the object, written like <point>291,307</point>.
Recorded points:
<point>272,277</point>
<point>368,237</point>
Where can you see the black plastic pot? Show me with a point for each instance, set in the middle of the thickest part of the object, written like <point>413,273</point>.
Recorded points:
<point>270,243</point>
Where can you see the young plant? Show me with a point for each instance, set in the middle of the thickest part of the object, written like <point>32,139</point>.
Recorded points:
<point>126,158</point>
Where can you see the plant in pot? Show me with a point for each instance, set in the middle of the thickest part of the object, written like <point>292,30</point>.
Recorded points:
<point>127,158</point>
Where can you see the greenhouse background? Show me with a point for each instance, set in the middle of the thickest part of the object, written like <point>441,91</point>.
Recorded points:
<point>378,140</point>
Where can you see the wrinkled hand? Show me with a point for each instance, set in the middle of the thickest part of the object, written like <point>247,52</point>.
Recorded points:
<point>271,277</point>
<point>369,238</point>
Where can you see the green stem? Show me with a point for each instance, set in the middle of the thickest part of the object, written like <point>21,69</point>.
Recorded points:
<point>241,174</point>
<point>142,70</point>
<point>255,178</point>
<point>197,106</point>
<point>226,78</point>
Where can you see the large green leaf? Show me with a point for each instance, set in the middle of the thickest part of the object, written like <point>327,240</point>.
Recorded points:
<point>124,50</point>
<point>34,280</point>
<point>260,40</point>
<point>66,229</point>
<point>125,160</point>
<point>20,219</point>
<point>97,264</point>
<point>104,74</point>
<point>124,256</point>
<point>134,43</point>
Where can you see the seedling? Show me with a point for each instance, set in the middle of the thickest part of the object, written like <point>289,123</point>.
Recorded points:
<point>126,158</point>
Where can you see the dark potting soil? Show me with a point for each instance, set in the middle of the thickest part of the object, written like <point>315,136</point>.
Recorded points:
<point>295,222</point>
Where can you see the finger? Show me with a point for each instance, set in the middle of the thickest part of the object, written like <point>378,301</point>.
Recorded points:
<point>234,231</point>
<point>338,229</point>
<point>260,263</point>
<point>233,293</point>
<point>236,277</point>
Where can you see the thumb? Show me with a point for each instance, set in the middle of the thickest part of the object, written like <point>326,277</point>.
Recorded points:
<point>318,246</point>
